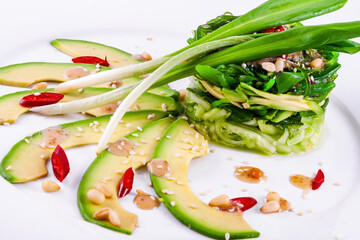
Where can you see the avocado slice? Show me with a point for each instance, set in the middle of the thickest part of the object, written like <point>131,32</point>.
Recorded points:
<point>110,166</point>
<point>178,146</point>
<point>10,109</point>
<point>76,48</point>
<point>26,159</point>
<point>25,74</point>
<point>116,58</point>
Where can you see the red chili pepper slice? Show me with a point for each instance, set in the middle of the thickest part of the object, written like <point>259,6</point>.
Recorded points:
<point>126,183</point>
<point>243,203</point>
<point>279,29</point>
<point>60,163</point>
<point>91,60</point>
<point>40,99</point>
<point>318,180</point>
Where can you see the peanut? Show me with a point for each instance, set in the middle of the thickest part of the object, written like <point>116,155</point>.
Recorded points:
<point>114,218</point>
<point>222,201</point>
<point>102,214</point>
<point>104,189</point>
<point>317,63</point>
<point>50,186</point>
<point>279,65</point>
<point>273,196</point>
<point>270,207</point>
<point>95,196</point>
<point>40,85</point>
<point>268,66</point>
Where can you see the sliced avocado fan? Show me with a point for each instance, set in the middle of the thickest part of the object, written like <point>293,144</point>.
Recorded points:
<point>177,147</point>
<point>26,159</point>
<point>108,168</point>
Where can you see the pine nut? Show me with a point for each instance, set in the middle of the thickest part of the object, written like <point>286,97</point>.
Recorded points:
<point>279,65</point>
<point>222,201</point>
<point>104,189</point>
<point>102,214</point>
<point>317,63</point>
<point>95,196</point>
<point>268,66</point>
<point>270,207</point>
<point>273,196</point>
<point>114,218</point>
<point>50,186</point>
<point>183,93</point>
<point>40,85</point>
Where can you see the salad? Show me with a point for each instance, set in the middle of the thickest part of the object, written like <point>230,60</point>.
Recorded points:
<point>240,96</point>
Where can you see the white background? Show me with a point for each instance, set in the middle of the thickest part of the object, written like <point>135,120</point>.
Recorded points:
<point>28,26</point>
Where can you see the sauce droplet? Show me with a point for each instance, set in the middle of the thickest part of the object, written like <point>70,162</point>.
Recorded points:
<point>121,147</point>
<point>301,181</point>
<point>250,174</point>
<point>159,167</point>
<point>146,201</point>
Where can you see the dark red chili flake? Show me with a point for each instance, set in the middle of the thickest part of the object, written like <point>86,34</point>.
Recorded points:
<point>126,183</point>
<point>243,203</point>
<point>60,163</point>
<point>318,180</point>
<point>40,99</point>
<point>279,29</point>
<point>91,60</point>
<point>270,30</point>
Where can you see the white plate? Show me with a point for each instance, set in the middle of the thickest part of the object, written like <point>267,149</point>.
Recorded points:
<point>28,212</point>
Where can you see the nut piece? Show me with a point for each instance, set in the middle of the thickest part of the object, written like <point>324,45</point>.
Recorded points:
<point>95,196</point>
<point>50,186</point>
<point>75,72</point>
<point>183,93</point>
<point>268,66</point>
<point>279,65</point>
<point>114,218</point>
<point>104,189</point>
<point>222,201</point>
<point>317,63</point>
<point>270,207</point>
<point>40,85</point>
<point>273,196</point>
<point>102,214</point>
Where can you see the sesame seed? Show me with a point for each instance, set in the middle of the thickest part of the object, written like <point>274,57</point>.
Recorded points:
<point>177,155</point>
<point>193,206</point>
<point>157,139</point>
<point>143,141</point>
<point>337,183</point>
<point>171,116</point>
<point>187,132</point>
<point>128,125</point>
<point>187,147</point>
<point>8,167</point>
<point>42,145</point>
<point>91,124</point>
<point>192,125</point>
<point>119,147</point>
<point>83,113</point>
<point>135,135</point>
<point>163,107</point>
<point>77,135</point>
<point>151,116</point>
<point>197,135</point>
<point>42,156</point>
<point>37,94</point>
<point>81,90</point>
<point>95,130</point>
<point>119,171</point>
<point>142,153</point>
<point>180,182</point>
<point>6,124</point>
<point>80,129</point>
<point>162,92</point>
<point>132,152</point>
<point>185,118</point>
<point>227,236</point>
<point>121,121</point>
<point>160,166</point>
<point>149,183</point>
<point>27,141</point>
<point>139,128</point>
<point>244,189</point>
<point>122,143</point>
<point>195,148</point>
<point>321,163</point>
<point>300,214</point>
<point>164,191</point>
<point>170,192</point>
<point>172,203</point>
<point>167,136</point>
<point>230,158</point>
<point>125,162</point>
<point>96,123</point>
